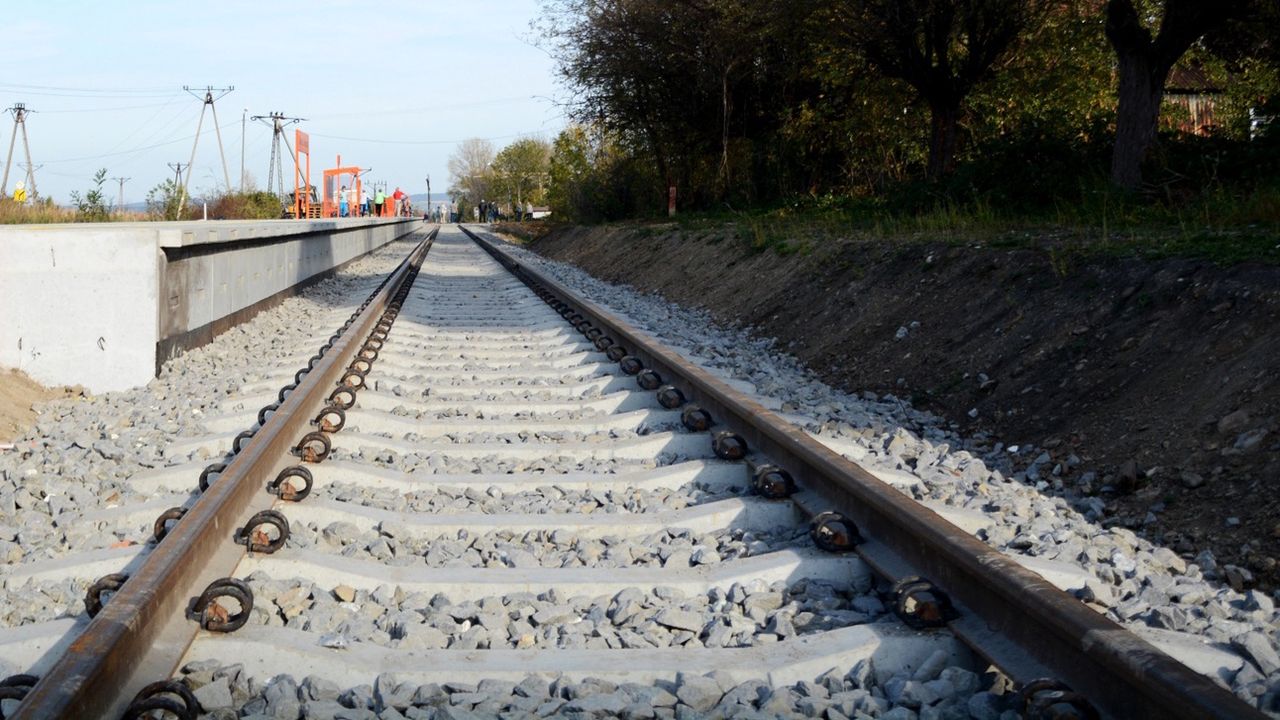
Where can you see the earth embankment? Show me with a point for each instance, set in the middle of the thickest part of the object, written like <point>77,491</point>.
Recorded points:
<point>1153,384</point>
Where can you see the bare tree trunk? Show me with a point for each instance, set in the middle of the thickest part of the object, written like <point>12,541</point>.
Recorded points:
<point>724,129</point>
<point>943,138</point>
<point>664,169</point>
<point>1137,115</point>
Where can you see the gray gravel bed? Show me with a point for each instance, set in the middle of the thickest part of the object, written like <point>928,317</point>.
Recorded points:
<point>41,536</point>
<point>673,548</point>
<point>439,463</point>
<point>935,691</point>
<point>1038,508</point>
<point>492,395</point>
<point>445,379</point>
<point>516,364</point>
<point>465,413</point>
<point>36,602</point>
<point>82,452</point>
<point>449,500</point>
<point>742,616</point>
<point>603,437</point>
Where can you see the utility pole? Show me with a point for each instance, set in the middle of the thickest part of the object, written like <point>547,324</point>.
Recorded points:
<point>243,113</point>
<point>177,184</point>
<point>428,193</point>
<point>19,112</point>
<point>31,178</point>
<point>122,181</point>
<point>275,166</point>
<point>208,103</point>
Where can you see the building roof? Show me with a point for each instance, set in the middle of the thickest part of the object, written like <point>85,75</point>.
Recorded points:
<point>1190,81</point>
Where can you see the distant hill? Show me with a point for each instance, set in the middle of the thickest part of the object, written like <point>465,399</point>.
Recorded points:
<point>421,198</point>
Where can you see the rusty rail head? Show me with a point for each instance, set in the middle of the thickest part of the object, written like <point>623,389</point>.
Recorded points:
<point>1019,614</point>
<point>142,632</point>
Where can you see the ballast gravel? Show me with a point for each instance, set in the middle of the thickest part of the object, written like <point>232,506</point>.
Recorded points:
<point>487,395</point>
<point>82,452</point>
<point>552,463</point>
<point>449,500</point>
<point>669,548</point>
<point>39,601</point>
<point>742,616</point>
<point>935,691</point>
<point>1032,511</point>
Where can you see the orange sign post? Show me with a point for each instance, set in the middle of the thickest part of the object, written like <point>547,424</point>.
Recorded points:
<point>302,182</point>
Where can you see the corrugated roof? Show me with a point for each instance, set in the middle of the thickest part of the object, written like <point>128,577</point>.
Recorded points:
<point>1190,80</point>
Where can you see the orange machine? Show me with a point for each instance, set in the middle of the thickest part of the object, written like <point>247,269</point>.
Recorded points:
<point>334,180</point>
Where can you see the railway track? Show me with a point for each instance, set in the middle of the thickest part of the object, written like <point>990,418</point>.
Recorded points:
<point>488,497</point>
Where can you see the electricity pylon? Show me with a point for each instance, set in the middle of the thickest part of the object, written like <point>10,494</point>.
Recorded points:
<point>275,166</point>
<point>208,103</point>
<point>122,181</point>
<point>177,182</point>
<point>19,111</point>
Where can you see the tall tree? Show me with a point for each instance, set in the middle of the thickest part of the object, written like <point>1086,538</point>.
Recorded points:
<point>695,86</point>
<point>1143,65</point>
<point>569,170</point>
<point>469,170</point>
<point>942,48</point>
<point>620,59</point>
<point>520,171</point>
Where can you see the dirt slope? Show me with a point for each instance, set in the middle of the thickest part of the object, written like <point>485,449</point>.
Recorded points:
<point>1155,384</point>
<point>18,393</point>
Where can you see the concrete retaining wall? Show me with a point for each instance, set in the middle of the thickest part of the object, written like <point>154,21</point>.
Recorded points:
<point>103,305</point>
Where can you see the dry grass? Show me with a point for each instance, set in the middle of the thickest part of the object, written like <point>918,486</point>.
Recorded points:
<point>11,213</point>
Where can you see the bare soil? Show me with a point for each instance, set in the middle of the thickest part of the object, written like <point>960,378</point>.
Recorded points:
<point>19,395</point>
<point>1162,377</point>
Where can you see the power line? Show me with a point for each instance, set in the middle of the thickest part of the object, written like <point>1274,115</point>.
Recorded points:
<point>109,109</point>
<point>156,89</point>
<point>90,97</point>
<point>146,123</point>
<point>134,150</point>
<point>382,141</point>
<point>433,108</point>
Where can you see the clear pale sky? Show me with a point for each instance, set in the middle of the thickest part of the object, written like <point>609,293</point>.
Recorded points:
<point>391,85</point>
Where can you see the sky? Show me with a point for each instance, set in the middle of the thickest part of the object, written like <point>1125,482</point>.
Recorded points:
<point>391,85</point>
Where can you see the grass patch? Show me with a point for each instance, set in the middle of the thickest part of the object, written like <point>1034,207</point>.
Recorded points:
<point>12,213</point>
<point>523,233</point>
<point>1224,227</point>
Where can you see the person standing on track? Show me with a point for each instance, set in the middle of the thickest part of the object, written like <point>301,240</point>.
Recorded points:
<point>378,199</point>
<point>364,203</point>
<point>343,209</point>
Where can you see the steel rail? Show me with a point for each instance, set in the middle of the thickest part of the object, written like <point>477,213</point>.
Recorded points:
<point>142,632</point>
<point>1008,613</point>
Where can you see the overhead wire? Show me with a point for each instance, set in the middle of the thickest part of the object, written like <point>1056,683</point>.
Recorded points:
<point>384,141</point>
<point>108,109</point>
<point>139,149</point>
<point>433,108</point>
<point>95,93</point>
<point>146,123</point>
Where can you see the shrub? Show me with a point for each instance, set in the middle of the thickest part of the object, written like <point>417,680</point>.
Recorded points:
<point>253,205</point>
<point>92,207</point>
